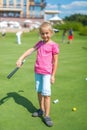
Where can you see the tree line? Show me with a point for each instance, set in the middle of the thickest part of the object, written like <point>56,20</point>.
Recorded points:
<point>77,22</point>
<point>78,18</point>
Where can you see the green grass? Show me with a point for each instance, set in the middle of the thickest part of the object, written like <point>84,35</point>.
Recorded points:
<point>18,93</point>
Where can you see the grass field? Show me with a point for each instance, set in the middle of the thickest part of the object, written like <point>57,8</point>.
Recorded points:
<point>18,98</point>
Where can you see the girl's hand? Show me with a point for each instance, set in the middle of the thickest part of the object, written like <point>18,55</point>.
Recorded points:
<point>52,79</point>
<point>19,63</point>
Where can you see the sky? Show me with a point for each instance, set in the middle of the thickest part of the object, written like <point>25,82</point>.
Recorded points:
<point>67,7</point>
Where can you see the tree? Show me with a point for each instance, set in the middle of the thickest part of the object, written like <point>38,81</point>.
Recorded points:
<point>78,18</point>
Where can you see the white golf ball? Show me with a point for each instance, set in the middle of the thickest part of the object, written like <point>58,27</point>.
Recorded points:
<point>85,78</point>
<point>56,101</point>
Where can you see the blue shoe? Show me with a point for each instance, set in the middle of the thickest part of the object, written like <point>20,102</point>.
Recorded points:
<point>38,113</point>
<point>48,121</point>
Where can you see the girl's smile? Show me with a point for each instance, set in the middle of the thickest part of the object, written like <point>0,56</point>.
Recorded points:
<point>46,34</point>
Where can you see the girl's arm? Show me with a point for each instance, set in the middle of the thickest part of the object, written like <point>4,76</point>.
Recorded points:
<point>55,64</point>
<point>23,56</point>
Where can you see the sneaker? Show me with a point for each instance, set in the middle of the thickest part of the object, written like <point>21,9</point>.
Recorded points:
<point>48,121</point>
<point>38,113</point>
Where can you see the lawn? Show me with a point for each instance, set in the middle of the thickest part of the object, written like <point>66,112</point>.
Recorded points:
<point>18,98</point>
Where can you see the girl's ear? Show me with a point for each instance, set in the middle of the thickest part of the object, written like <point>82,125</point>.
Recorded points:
<point>52,32</point>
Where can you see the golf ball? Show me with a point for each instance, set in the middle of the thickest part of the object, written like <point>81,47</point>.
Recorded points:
<point>55,101</point>
<point>74,109</point>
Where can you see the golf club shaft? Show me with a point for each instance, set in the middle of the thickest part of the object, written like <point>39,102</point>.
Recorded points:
<point>16,69</point>
<point>12,73</point>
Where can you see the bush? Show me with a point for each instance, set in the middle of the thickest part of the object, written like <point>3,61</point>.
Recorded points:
<point>83,31</point>
<point>76,26</point>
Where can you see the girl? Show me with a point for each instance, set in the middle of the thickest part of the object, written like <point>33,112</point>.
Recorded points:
<point>45,69</point>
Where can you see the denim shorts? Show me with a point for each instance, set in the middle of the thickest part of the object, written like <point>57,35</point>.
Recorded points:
<point>43,84</point>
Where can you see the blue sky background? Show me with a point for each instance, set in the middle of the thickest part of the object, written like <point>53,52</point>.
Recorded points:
<point>67,7</point>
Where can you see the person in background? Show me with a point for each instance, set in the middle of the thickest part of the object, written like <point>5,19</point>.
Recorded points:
<point>3,33</point>
<point>64,35</point>
<point>70,36</point>
<point>18,35</point>
<point>45,70</point>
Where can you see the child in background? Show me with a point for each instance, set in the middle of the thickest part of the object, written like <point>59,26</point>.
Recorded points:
<point>45,70</point>
<point>70,36</point>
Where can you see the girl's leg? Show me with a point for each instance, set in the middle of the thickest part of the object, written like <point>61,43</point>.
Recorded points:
<point>46,92</point>
<point>44,102</point>
<point>41,101</point>
<point>47,105</point>
<point>39,111</point>
<point>47,118</point>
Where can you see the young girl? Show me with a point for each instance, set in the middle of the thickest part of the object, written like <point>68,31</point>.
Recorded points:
<point>45,70</point>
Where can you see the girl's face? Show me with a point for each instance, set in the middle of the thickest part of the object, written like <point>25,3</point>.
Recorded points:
<point>45,34</point>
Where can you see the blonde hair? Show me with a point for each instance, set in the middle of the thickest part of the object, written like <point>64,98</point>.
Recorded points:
<point>46,25</point>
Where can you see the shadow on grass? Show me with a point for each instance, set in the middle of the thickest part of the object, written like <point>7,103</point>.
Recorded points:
<point>19,100</point>
<point>85,48</point>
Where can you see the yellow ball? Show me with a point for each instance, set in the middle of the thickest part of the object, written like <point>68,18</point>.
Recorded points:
<point>74,109</point>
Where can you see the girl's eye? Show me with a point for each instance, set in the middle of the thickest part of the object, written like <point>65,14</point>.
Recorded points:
<point>42,33</point>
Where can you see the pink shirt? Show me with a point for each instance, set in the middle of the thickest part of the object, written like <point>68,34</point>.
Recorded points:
<point>44,58</point>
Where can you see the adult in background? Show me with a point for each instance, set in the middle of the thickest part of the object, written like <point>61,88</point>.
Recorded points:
<point>64,35</point>
<point>18,35</point>
<point>3,32</point>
